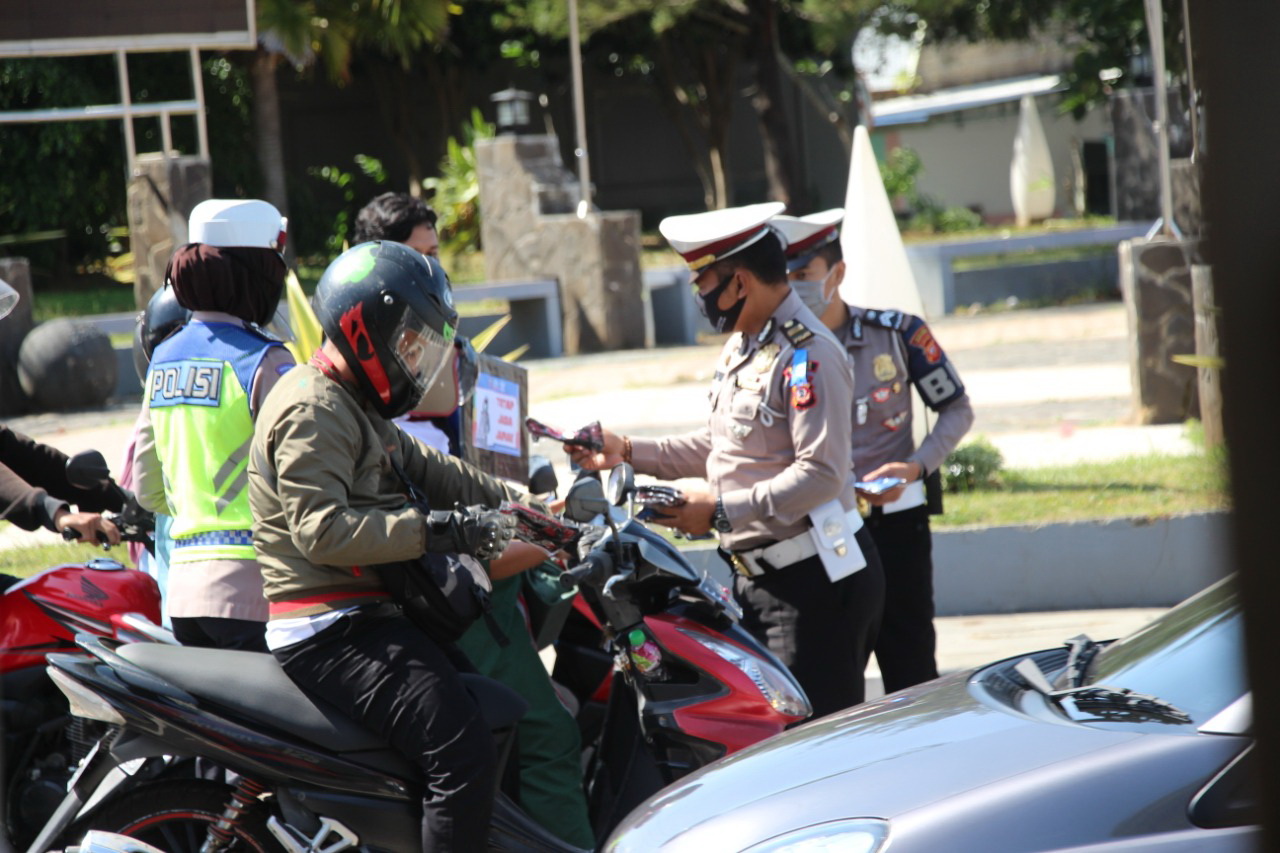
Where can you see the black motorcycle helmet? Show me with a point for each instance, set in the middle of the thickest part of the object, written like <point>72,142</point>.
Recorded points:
<point>161,318</point>
<point>389,311</point>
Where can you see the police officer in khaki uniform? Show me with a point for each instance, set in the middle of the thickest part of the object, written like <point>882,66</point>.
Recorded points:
<point>775,453</point>
<point>891,351</point>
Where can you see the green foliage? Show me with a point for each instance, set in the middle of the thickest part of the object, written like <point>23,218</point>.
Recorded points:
<point>456,191</point>
<point>972,467</point>
<point>1105,34</point>
<point>900,171</point>
<point>345,185</point>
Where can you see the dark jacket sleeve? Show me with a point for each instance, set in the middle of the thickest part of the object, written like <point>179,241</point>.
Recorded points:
<point>33,483</point>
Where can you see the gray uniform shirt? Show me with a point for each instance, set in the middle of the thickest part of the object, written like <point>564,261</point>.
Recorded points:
<point>891,351</point>
<point>776,445</point>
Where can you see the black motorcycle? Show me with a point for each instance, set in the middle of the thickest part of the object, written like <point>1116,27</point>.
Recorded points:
<point>690,686</point>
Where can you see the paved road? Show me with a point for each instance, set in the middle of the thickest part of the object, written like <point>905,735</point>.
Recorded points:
<point>1048,386</point>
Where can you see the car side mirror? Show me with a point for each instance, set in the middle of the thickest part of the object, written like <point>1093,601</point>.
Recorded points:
<point>585,500</point>
<point>622,482</point>
<point>542,476</point>
<point>88,470</point>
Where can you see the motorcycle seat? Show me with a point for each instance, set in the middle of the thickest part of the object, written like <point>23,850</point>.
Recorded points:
<point>254,685</point>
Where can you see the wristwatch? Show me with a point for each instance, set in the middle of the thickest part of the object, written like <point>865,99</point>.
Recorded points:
<point>719,520</point>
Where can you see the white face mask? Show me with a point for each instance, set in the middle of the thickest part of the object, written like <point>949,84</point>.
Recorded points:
<point>813,293</point>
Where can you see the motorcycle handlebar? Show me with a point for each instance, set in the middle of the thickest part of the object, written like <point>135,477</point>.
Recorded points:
<point>597,566</point>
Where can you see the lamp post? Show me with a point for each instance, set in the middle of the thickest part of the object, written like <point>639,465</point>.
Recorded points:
<point>513,114</point>
<point>579,114</point>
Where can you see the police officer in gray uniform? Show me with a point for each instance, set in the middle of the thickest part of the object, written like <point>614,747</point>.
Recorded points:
<point>775,453</point>
<point>891,351</point>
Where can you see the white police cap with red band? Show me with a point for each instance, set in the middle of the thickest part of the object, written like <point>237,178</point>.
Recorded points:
<point>228,222</point>
<point>704,238</point>
<point>802,236</point>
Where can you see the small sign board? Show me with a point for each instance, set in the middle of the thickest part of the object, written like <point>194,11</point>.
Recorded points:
<point>493,435</point>
<point>67,27</point>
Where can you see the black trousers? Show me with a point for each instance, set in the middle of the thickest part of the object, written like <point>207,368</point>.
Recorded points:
<point>218,633</point>
<point>905,649</point>
<point>376,667</point>
<point>824,632</point>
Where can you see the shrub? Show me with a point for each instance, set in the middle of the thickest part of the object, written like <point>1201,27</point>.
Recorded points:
<point>456,192</point>
<point>973,467</point>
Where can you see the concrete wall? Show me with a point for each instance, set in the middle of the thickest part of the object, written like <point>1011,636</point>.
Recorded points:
<point>966,155</point>
<point>1082,566</point>
<point>1051,280</point>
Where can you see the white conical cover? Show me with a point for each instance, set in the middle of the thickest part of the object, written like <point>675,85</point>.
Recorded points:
<point>878,274</point>
<point>1031,172</point>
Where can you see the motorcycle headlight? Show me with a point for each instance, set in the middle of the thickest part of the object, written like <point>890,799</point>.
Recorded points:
<point>777,687</point>
<point>853,835</point>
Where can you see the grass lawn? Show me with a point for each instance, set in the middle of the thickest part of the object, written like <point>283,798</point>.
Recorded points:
<point>28,560</point>
<point>1143,487</point>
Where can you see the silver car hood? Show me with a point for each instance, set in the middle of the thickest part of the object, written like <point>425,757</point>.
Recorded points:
<point>932,756</point>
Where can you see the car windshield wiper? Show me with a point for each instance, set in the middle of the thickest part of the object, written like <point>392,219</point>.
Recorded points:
<point>1080,653</point>
<point>1107,703</point>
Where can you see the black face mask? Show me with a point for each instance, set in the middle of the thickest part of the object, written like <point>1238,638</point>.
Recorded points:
<point>709,305</point>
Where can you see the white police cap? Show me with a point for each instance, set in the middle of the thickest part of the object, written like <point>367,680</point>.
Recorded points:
<point>228,222</point>
<point>704,238</point>
<point>802,236</point>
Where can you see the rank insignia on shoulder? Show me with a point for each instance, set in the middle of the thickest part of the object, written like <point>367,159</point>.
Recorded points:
<point>796,332</point>
<point>855,329</point>
<point>886,319</point>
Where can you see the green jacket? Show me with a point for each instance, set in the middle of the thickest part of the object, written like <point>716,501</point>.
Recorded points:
<point>327,503</point>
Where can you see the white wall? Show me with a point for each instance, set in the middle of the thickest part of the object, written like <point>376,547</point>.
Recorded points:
<point>966,155</point>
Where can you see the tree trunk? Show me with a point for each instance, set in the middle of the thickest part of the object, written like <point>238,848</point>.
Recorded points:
<point>775,130</point>
<point>268,139</point>
<point>397,108</point>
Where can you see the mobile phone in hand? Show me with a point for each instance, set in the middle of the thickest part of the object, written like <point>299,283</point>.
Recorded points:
<point>879,485</point>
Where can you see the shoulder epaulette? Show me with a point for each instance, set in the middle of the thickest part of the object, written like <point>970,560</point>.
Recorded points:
<point>890,319</point>
<point>797,333</point>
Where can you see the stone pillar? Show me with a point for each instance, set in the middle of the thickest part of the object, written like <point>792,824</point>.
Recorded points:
<point>529,231</point>
<point>13,329</point>
<point>1155,280</point>
<point>161,194</point>
<point>1208,367</point>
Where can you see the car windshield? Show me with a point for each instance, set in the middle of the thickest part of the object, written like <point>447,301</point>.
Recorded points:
<point>1191,657</point>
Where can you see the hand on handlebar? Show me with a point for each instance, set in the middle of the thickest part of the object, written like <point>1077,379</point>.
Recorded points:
<point>89,526</point>
<point>597,460</point>
<point>482,533</point>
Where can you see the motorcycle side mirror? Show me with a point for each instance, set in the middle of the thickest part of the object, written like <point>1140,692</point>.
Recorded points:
<point>88,470</point>
<point>542,476</point>
<point>622,482</point>
<point>585,500</point>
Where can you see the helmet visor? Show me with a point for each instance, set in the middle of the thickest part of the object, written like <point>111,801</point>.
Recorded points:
<point>421,351</point>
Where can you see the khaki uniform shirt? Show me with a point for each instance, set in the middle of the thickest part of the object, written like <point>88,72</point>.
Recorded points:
<point>327,502</point>
<point>891,351</point>
<point>776,445</point>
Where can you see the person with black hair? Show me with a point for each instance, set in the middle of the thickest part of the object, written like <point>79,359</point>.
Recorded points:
<point>204,385</point>
<point>775,452</point>
<point>891,352</point>
<point>399,217</point>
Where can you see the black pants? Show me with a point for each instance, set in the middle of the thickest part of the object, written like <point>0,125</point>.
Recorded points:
<point>905,649</point>
<point>376,667</point>
<point>822,631</point>
<point>218,633</point>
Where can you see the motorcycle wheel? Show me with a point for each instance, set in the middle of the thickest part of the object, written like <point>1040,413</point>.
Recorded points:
<point>175,816</point>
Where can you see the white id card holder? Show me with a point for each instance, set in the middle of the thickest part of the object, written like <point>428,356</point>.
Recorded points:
<point>832,531</point>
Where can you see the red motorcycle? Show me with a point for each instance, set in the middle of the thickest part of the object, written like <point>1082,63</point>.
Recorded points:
<point>43,743</point>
